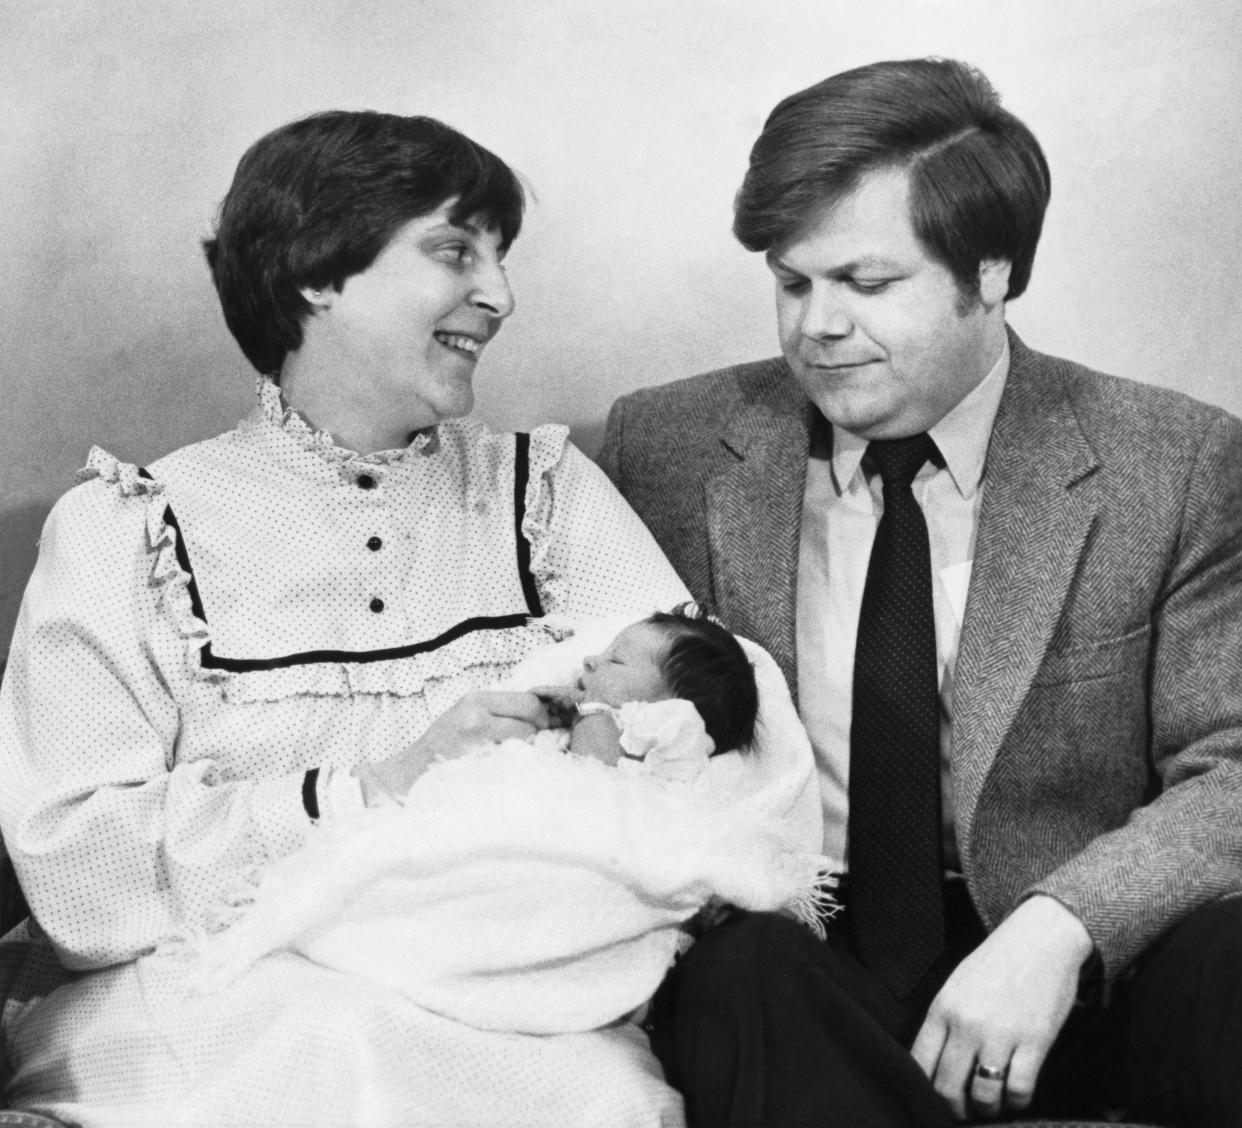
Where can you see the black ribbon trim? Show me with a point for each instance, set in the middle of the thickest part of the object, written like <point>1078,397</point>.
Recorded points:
<point>521,474</point>
<point>310,798</point>
<point>308,657</point>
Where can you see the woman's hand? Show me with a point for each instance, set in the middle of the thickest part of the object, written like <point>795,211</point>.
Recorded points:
<point>480,717</point>
<point>561,701</point>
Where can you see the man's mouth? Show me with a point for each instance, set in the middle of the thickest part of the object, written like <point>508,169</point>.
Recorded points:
<point>839,365</point>
<point>460,343</point>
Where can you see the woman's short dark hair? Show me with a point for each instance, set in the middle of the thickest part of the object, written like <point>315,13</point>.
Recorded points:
<point>979,183</point>
<point>707,666</point>
<point>316,200</point>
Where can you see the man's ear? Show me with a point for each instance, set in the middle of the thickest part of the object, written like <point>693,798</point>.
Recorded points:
<point>993,281</point>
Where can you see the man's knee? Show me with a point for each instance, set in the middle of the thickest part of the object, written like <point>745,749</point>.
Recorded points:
<point>1197,964</point>
<point>750,955</point>
<point>1185,1006</point>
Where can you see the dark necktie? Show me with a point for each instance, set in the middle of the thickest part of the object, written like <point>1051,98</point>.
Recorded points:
<point>895,897</point>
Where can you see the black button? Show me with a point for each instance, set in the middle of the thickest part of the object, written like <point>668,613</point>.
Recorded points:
<point>366,482</point>
<point>375,544</point>
<point>377,605</point>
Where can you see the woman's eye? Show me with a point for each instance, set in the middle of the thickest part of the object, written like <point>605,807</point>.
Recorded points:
<point>458,253</point>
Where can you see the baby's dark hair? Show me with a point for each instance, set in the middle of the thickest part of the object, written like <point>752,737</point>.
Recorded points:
<point>707,666</point>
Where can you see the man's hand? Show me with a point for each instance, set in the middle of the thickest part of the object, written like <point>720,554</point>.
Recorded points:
<point>1002,1008</point>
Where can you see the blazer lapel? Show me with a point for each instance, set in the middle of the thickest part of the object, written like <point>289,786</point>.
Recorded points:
<point>754,515</point>
<point>1039,503</point>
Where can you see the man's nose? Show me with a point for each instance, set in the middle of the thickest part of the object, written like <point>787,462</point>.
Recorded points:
<point>826,314</point>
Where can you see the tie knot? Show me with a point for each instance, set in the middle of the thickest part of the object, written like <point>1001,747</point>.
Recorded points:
<point>899,460</point>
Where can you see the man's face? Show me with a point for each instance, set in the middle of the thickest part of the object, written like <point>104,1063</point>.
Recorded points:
<point>878,334</point>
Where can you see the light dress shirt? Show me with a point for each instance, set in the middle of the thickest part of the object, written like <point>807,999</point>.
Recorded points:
<point>842,506</point>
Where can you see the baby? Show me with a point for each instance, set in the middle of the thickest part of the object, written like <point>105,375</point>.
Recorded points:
<point>667,693</point>
<point>518,888</point>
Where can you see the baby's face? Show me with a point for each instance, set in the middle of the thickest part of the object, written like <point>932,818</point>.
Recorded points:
<point>629,670</point>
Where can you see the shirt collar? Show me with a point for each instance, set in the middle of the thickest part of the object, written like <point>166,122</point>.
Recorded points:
<point>962,436</point>
<point>276,414</point>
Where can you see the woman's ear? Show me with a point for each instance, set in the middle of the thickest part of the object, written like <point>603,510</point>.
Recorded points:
<point>993,281</point>
<point>317,299</point>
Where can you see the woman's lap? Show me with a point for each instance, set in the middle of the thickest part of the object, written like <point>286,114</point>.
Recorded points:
<point>291,1043</point>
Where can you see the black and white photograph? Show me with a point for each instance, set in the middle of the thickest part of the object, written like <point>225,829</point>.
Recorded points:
<point>654,564</point>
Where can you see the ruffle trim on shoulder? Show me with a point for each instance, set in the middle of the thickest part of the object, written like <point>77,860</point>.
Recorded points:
<point>173,583</point>
<point>547,448</point>
<point>167,576</point>
<point>127,477</point>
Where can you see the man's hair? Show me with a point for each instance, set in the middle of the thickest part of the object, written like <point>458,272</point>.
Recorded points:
<point>317,200</point>
<point>979,183</point>
<point>707,666</point>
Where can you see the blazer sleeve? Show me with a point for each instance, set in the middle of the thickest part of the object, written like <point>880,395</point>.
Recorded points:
<point>1184,848</point>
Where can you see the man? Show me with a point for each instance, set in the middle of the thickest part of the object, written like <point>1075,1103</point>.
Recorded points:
<point>980,568</point>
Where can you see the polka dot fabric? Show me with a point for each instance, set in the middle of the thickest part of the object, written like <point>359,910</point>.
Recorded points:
<point>157,720</point>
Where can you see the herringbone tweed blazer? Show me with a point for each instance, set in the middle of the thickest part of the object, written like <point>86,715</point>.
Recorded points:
<point>1097,735</point>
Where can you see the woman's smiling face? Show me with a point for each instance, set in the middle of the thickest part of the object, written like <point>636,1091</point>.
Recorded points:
<point>408,330</point>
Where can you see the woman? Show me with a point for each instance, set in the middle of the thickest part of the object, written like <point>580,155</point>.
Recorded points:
<point>275,627</point>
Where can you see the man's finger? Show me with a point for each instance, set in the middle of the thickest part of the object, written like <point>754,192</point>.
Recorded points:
<point>953,1074</point>
<point>1024,1070</point>
<point>928,1045</point>
<point>986,1087</point>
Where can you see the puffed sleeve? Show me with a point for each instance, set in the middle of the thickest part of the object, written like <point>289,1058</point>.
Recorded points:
<point>117,846</point>
<point>591,554</point>
<point>666,739</point>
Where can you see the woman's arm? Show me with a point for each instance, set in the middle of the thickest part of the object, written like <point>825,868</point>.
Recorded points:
<point>118,845</point>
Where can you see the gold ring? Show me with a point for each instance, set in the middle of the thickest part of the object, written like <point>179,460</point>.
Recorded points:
<point>990,1073</point>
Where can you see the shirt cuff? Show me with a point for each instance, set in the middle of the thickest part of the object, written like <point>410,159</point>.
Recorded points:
<point>339,794</point>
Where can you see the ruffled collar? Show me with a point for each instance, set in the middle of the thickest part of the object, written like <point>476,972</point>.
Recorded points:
<point>274,412</point>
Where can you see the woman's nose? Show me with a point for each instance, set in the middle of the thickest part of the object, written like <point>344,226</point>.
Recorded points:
<point>492,291</point>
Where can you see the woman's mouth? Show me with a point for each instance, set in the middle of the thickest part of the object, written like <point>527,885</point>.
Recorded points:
<point>460,344</point>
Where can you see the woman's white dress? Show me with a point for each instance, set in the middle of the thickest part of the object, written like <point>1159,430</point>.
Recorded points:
<point>194,639</point>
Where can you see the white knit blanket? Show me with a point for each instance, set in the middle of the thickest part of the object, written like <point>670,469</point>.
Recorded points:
<point>522,889</point>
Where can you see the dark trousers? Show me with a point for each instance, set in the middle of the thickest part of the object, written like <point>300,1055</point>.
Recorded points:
<point>764,1025</point>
